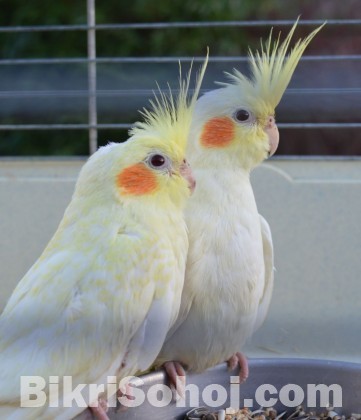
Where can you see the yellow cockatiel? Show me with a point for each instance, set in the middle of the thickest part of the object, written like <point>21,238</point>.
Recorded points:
<point>229,274</point>
<point>102,296</point>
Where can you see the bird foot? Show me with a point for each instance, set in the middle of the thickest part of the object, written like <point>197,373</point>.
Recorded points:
<point>177,377</point>
<point>125,397</point>
<point>239,359</point>
<point>100,411</point>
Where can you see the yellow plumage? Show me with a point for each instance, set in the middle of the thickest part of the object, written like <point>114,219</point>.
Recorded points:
<point>168,117</point>
<point>271,70</point>
<point>102,296</point>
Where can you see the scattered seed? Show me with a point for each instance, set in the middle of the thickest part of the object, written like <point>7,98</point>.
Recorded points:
<point>270,413</point>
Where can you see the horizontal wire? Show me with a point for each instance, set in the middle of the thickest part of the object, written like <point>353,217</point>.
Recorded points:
<point>150,92</point>
<point>164,25</point>
<point>77,93</point>
<point>12,127</point>
<point>169,25</point>
<point>151,60</point>
<point>319,125</point>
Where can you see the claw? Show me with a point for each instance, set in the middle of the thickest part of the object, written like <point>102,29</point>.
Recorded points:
<point>100,411</point>
<point>125,397</point>
<point>177,377</point>
<point>241,360</point>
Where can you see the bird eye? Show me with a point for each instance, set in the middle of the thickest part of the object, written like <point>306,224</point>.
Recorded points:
<point>157,161</point>
<point>241,115</point>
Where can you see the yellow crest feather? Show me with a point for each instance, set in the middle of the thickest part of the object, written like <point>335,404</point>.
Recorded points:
<point>271,69</point>
<point>169,118</point>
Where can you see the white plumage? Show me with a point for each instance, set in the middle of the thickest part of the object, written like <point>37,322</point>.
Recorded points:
<point>229,273</point>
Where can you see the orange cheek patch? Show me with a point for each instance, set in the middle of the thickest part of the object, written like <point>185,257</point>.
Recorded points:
<point>137,180</point>
<point>218,132</point>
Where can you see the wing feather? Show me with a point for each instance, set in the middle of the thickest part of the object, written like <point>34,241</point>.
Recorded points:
<point>80,313</point>
<point>269,273</point>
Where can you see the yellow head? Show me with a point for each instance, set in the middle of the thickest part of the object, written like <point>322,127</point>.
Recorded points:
<point>238,120</point>
<point>151,164</point>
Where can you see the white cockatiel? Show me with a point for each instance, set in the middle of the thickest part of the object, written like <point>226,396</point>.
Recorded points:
<point>101,298</point>
<point>229,274</point>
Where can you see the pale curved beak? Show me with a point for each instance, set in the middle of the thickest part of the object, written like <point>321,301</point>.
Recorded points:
<point>186,172</point>
<point>273,134</point>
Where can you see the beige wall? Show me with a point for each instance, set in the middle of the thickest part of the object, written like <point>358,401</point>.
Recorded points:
<point>313,207</point>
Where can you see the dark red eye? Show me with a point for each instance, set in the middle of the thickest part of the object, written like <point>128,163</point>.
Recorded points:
<point>157,161</point>
<point>241,115</point>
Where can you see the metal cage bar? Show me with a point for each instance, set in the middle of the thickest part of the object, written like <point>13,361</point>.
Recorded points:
<point>92,61</point>
<point>92,78</point>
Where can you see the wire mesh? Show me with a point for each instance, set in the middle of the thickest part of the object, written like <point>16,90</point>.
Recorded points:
<point>93,94</point>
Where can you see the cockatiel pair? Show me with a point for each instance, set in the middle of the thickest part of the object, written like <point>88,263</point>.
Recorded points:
<point>107,289</point>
